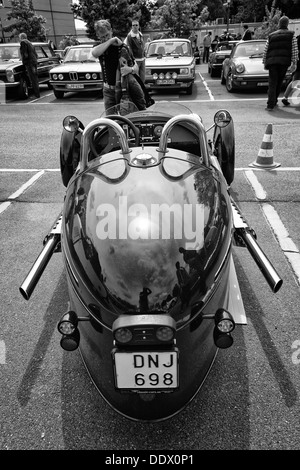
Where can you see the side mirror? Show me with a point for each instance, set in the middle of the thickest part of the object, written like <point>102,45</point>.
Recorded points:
<point>71,124</point>
<point>222,118</point>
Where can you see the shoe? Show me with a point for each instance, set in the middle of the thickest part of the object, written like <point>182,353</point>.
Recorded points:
<point>269,109</point>
<point>285,102</point>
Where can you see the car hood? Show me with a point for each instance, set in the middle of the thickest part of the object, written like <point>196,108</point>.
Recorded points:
<point>169,61</point>
<point>119,242</point>
<point>252,66</point>
<point>77,67</point>
<point>10,63</point>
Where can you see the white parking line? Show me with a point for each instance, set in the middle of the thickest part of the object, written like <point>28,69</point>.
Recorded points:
<point>290,250</point>
<point>2,352</point>
<point>21,190</point>
<point>207,88</point>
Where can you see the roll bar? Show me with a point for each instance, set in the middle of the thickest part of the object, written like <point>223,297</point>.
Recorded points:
<point>193,119</point>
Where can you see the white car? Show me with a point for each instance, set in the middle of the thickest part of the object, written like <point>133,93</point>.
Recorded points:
<point>80,71</point>
<point>170,64</point>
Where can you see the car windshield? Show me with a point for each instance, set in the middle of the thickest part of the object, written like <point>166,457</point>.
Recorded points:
<point>169,48</point>
<point>81,54</point>
<point>8,52</point>
<point>251,49</point>
<point>227,46</point>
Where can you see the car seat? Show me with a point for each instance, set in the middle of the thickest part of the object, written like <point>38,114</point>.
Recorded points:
<point>161,50</point>
<point>241,52</point>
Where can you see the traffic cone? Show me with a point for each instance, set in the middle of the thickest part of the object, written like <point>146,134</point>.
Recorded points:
<point>265,154</point>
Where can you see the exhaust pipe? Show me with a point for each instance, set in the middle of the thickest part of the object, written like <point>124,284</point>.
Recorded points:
<point>245,233</point>
<point>38,267</point>
<point>266,267</point>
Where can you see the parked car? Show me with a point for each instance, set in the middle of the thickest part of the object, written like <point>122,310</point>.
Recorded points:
<point>216,57</point>
<point>170,64</point>
<point>244,68</point>
<point>79,71</point>
<point>12,71</point>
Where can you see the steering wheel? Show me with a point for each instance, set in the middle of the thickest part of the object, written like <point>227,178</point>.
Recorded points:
<point>110,145</point>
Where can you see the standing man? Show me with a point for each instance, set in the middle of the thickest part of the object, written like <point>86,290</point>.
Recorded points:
<point>29,60</point>
<point>281,52</point>
<point>109,52</point>
<point>135,42</point>
<point>206,45</point>
<point>247,36</point>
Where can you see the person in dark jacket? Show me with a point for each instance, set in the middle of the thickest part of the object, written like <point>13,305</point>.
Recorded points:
<point>113,57</point>
<point>281,53</point>
<point>136,44</point>
<point>295,76</point>
<point>247,36</point>
<point>29,60</point>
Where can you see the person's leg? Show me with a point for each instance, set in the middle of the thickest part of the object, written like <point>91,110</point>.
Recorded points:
<point>33,76</point>
<point>273,77</point>
<point>142,70</point>
<point>281,74</point>
<point>109,98</point>
<point>136,93</point>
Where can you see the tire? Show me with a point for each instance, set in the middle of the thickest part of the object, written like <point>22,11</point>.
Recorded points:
<point>209,69</point>
<point>189,90</point>
<point>213,72</point>
<point>223,81</point>
<point>58,94</point>
<point>50,87</point>
<point>224,143</point>
<point>229,84</point>
<point>22,92</point>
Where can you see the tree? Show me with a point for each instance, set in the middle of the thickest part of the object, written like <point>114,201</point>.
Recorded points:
<point>118,12</point>
<point>271,21</point>
<point>26,21</point>
<point>178,16</point>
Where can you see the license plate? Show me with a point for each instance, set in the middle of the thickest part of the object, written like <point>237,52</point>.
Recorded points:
<point>262,84</point>
<point>75,86</point>
<point>146,370</point>
<point>165,82</point>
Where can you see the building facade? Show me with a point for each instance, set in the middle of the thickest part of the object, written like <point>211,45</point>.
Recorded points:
<point>60,19</point>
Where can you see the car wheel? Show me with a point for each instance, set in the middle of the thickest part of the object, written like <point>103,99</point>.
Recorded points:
<point>229,82</point>
<point>58,94</point>
<point>50,87</point>
<point>209,69</point>
<point>213,72</point>
<point>223,81</point>
<point>189,90</point>
<point>23,92</point>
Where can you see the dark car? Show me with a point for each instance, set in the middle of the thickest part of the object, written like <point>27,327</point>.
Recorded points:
<point>80,71</point>
<point>216,58</point>
<point>244,68</point>
<point>12,71</point>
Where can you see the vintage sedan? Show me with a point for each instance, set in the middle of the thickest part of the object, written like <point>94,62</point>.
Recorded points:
<point>79,72</point>
<point>216,58</point>
<point>170,65</point>
<point>12,71</point>
<point>244,68</point>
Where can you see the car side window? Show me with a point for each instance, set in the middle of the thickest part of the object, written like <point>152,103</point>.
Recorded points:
<point>47,51</point>
<point>40,53</point>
